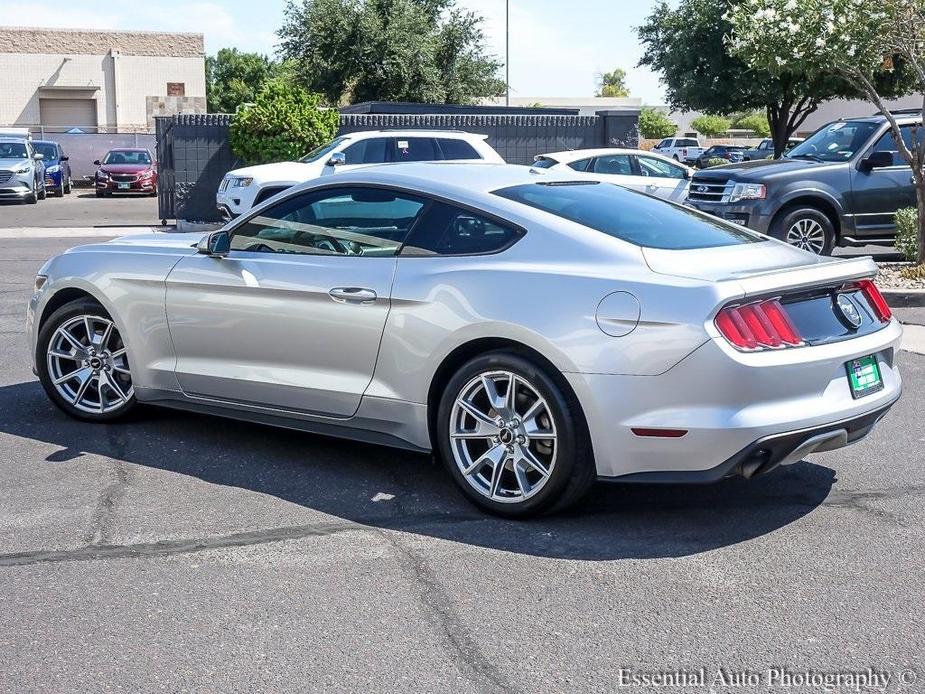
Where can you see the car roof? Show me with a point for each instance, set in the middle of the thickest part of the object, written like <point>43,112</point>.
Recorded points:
<point>571,155</point>
<point>416,132</point>
<point>7,138</point>
<point>130,149</point>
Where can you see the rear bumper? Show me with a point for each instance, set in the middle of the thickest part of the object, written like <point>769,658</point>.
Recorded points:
<point>728,402</point>
<point>770,452</point>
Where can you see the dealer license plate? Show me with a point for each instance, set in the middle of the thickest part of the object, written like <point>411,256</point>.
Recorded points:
<point>125,186</point>
<point>864,376</point>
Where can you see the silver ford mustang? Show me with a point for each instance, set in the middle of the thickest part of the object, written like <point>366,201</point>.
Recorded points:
<point>537,331</point>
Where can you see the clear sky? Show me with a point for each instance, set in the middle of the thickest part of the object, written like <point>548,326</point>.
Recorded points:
<point>557,46</point>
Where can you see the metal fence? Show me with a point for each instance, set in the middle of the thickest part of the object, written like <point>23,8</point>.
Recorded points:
<point>194,154</point>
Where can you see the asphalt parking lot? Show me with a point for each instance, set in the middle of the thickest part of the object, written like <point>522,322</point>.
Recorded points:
<point>81,209</point>
<point>179,552</point>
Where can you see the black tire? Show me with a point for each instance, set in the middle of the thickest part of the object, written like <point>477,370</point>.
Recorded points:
<point>46,332</point>
<point>32,198</point>
<point>59,191</point>
<point>66,187</point>
<point>573,472</point>
<point>43,192</point>
<point>786,228</point>
<point>100,193</point>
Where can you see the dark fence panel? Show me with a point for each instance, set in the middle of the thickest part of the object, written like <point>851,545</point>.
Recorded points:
<point>194,154</point>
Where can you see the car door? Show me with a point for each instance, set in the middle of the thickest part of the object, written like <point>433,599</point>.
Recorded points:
<point>877,194</point>
<point>292,317</point>
<point>662,179</point>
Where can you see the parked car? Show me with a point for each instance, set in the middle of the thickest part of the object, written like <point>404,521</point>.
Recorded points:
<point>765,148</point>
<point>536,331</point>
<point>22,173</point>
<point>731,153</point>
<point>631,168</point>
<point>242,189</point>
<point>841,186</point>
<point>126,170</point>
<point>57,167</point>
<point>682,149</point>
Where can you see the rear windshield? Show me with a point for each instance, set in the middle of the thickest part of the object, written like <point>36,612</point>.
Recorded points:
<point>629,216</point>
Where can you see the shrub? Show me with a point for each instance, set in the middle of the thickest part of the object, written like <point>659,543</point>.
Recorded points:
<point>756,122</point>
<point>282,124</point>
<point>716,161</point>
<point>907,233</point>
<point>655,125</point>
<point>711,126</point>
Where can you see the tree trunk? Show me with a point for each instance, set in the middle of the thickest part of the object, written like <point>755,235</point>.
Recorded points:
<point>920,196</point>
<point>778,120</point>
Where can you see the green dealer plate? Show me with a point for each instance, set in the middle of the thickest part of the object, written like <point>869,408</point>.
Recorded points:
<point>864,376</point>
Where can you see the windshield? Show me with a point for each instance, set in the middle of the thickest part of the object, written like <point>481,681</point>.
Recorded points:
<point>319,152</point>
<point>49,151</point>
<point>13,150</point>
<point>127,157</point>
<point>835,142</point>
<point>629,216</point>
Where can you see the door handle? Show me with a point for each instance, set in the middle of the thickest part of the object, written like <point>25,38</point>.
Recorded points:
<point>353,295</point>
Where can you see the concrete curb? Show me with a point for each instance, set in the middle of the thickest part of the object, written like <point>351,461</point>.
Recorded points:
<point>913,339</point>
<point>904,298</point>
<point>78,232</point>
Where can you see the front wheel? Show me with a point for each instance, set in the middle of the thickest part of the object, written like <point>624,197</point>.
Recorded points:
<point>806,228</point>
<point>43,192</point>
<point>66,187</point>
<point>513,437</point>
<point>83,363</point>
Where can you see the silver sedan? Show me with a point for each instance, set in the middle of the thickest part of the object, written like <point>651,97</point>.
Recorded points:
<point>537,331</point>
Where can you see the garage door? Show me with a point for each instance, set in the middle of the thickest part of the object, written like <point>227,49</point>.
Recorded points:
<point>68,113</point>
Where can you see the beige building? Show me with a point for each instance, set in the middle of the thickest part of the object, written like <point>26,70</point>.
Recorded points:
<point>98,81</point>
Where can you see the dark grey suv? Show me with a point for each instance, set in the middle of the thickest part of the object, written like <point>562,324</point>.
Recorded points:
<point>841,186</point>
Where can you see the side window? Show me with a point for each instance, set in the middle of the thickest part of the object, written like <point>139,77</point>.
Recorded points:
<point>414,149</point>
<point>618,164</point>
<point>650,166</point>
<point>341,221</point>
<point>887,143</point>
<point>449,230</point>
<point>454,149</point>
<point>370,151</point>
<point>580,165</point>
<point>663,144</point>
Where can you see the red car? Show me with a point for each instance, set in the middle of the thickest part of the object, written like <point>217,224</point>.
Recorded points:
<point>126,171</point>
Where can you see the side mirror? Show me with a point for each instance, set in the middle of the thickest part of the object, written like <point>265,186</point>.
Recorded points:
<point>216,244</point>
<point>65,158</point>
<point>38,157</point>
<point>687,174</point>
<point>877,160</point>
<point>96,162</point>
<point>337,159</point>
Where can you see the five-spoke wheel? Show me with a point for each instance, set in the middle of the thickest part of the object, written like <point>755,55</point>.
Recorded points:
<point>513,437</point>
<point>83,362</point>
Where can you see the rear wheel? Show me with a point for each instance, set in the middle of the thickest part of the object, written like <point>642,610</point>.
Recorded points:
<point>83,363</point>
<point>807,228</point>
<point>513,437</point>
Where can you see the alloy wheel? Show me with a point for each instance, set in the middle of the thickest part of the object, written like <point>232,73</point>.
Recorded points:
<point>88,365</point>
<point>503,436</point>
<point>807,233</point>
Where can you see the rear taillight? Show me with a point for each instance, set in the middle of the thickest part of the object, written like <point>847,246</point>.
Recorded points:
<point>876,300</point>
<point>761,325</point>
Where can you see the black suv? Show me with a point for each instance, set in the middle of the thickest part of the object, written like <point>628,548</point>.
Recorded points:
<point>842,185</point>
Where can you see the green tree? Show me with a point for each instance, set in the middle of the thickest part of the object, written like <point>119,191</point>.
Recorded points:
<point>711,126</point>
<point>612,84</point>
<point>755,121</point>
<point>396,50</point>
<point>878,48</point>
<point>654,124</point>
<point>283,123</point>
<point>234,78</point>
<point>686,46</point>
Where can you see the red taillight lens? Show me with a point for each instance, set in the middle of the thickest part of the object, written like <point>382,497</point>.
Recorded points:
<point>876,300</point>
<point>762,325</point>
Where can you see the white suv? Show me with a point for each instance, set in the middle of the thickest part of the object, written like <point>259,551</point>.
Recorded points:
<point>242,189</point>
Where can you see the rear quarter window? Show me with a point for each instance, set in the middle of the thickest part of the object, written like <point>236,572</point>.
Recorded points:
<point>629,216</point>
<point>454,149</point>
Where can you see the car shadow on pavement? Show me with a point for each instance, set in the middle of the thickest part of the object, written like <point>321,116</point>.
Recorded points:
<point>391,489</point>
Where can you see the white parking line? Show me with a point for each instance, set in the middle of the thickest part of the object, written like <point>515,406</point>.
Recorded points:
<point>913,339</point>
<point>76,232</point>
